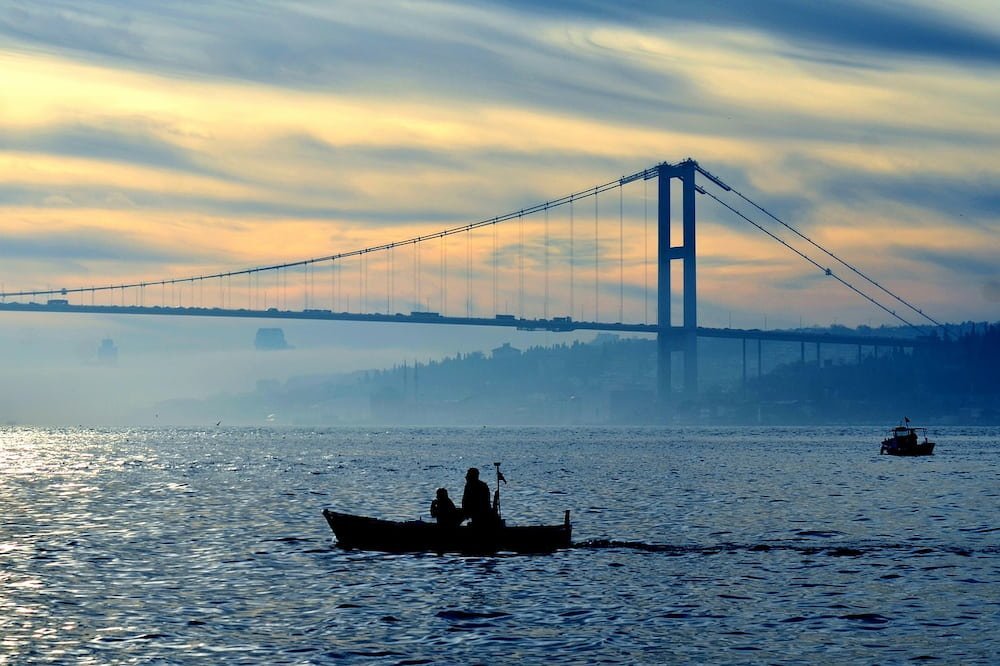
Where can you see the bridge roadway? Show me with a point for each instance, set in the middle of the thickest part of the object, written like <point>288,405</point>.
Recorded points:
<point>555,324</point>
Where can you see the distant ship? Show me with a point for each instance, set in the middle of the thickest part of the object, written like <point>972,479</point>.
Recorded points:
<point>107,353</point>
<point>269,339</point>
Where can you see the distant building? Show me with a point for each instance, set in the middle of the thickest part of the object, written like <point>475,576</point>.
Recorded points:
<point>269,339</point>
<point>107,352</point>
<point>506,351</point>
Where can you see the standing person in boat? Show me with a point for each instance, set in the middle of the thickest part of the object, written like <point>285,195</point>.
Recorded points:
<point>444,510</point>
<point>476,500</point>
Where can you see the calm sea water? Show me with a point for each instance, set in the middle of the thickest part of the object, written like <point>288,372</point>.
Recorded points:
<point>693,545</point>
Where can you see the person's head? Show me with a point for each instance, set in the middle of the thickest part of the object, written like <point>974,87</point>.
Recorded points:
<point>472,474</point>
<point>442,493</point>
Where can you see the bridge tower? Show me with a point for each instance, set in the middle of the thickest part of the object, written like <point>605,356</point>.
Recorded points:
<point>671,338</point>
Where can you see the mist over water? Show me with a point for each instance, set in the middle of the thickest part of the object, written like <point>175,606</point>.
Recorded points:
<point>54,376</point>
<point>707,545</point>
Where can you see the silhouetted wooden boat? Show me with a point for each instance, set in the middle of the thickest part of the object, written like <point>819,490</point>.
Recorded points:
<point>363,533</point>
<point>903,440</point>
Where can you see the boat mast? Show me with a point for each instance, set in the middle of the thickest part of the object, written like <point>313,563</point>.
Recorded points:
<point>496,494</point>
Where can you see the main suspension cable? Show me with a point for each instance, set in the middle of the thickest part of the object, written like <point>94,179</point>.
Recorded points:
<point>825,270</point>
<point>645,174</point>
<point>835,257</point>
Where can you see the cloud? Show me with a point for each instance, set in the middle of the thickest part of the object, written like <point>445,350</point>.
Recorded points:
<point>312,149</point>
<point>315,43</point>
<point>115,142</point>
<point>991,291</point>
<point>90,244</point>
<point>975,197</point>
<point>975,264</point>
<point>70,197</point>
<point>563,57</point>
<point>403,52</point>
<point>277,129</point>
<point>891,28</point>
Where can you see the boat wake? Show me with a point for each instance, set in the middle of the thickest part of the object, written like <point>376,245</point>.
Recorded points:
<point>838,550</point>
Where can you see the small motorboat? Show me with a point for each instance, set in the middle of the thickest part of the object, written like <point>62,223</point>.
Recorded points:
<point>364,533</point>
<point>904,440</point>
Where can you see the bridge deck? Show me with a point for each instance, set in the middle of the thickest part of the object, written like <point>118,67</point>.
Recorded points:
<point>555,324</point>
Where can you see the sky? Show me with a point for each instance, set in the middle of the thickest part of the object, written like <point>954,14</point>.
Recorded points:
<point>145,140</point>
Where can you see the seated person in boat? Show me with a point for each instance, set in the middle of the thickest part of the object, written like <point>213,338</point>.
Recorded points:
<point>444,509</point>
<point>476,503</point>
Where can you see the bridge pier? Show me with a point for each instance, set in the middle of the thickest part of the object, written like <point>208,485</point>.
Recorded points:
<point>682,338</point>
<point>744,364</point>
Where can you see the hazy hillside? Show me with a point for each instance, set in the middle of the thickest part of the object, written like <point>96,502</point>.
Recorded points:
<point>612,380</point>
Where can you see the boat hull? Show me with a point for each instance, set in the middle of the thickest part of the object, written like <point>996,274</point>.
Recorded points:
<point>364,533</point>
<point>890,448</point>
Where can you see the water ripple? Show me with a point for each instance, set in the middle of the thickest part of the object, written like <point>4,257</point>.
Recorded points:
<point>693,545</point>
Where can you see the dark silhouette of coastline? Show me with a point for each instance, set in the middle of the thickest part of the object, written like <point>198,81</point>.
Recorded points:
<point>612,381</point>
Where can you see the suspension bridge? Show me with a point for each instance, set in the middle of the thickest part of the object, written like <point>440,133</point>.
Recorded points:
<point>583,261</point>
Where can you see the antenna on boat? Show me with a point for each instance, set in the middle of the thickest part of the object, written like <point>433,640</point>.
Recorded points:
<point>496,494</point>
